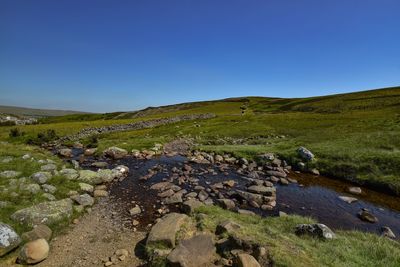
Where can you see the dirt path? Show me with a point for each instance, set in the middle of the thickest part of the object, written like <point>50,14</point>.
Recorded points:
<point>94,239</point>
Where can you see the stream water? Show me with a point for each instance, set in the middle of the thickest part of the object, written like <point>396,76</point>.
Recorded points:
<point>317,197</point>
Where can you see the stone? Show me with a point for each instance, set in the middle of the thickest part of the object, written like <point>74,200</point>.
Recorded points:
<point>257,198</point>
<point>387,232</point>
<point>305,154</point>
<point>246,260</point>
<point>9,174</point>
<point>89,177</point>
<point>45,212</point>
<point>348,199</point>
<point>34,252</point>
<point>194,252</point>
<point>164,232</point>
<point>284,181</point>
<point>354,190</point>
<point>279,174</point>
<point>86,187</point>
<point>246,212</point>
<point>70,174</point>
<point>191,195</point>
<point>189,206</point>
<point>31,188</point>
<point>174,199</point>
<point>166,193</point>
<point>41,177</point>
<point>39,231</point>
<point>314,172</point>
<point>259,189</point>
<point>316,230</point>
<point>115,152</point>
<point>49,188</point>
<point>48,167</point>
<point>9,239</point>
<point>366,216</point>
<point>84,200</point>
<point>99,164</point>
<point>106,175</point>
<point>48,196</point>
<point>26,156</point>
<point>90,151</point>
<point>161,186</point>
<point>135,211</point>
<point>227,204</point>
<point>229,183</point>
<point>202,195</point>
<point>229,227</point>
<point>100,193</point>
<point>65,152</point>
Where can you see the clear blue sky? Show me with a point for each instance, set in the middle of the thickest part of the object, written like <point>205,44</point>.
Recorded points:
<point>97,55</point>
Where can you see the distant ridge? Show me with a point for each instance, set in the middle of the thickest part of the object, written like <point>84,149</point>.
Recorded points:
<point>37,113</point>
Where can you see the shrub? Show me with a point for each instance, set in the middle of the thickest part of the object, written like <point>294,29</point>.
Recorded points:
<point>15,132</point>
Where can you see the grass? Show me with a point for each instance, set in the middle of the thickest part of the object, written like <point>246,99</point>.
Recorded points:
<point>350,248</point>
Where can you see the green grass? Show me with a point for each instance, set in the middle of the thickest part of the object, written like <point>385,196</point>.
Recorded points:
<point>350,248</point>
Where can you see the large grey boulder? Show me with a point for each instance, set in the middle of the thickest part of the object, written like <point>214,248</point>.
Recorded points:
<point>305,154</point>
<point>317,230</point>
<point>115,152</point>
<point>9,239</point>
<point>164,232</point>
<point>41,177</point>
<point>45,212</point>
<point>90,177</point>
<point>197,251</point>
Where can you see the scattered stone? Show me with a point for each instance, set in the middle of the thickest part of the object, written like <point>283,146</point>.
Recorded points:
<point>49,196</point>
<point>282,214</point>
<point>279,174</point>
<point>365,215</point>
<point>354,190</point>
<point>202,195</point>
<point>48,167</point>
<point>70,174</point>
<point>284,181</point>
<point>34,252</point>
<point>49,188</point>
<point>90,177</point>
<point>196,251</point>
<point>135,211</point>
<point>259,189</point>
<point>99,164</point>
<point>26,156</point>
<point>189,206</point>
<point>227,204</point>
<point>31,188</point>
<point>86,187</point>
<point>387,232</point>
<point>174,199</point>
<point>316,230</point>
<point>164,232</point>
<point>45,212</point>
<point>229,227</point>
<point>9,239</point>
<point>315,172</point>
<point>41,177</point>
<point>246,260</point>
<point>65,152</point>
<point>348,199</point>
<point>39,231</point>
<point>84,200</point>
<point>9,174</point>
<point>90,151</point>
<point>100,193</point>
<point>305,154</point>
<point>161,186</point>
<point>115,152</point>
<point>166,193</point>
<point>246,212</point>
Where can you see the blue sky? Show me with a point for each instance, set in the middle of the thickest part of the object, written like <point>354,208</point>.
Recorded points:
<point>124,55</point>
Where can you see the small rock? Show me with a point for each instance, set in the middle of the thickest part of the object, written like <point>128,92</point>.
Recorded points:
<point>317,230</point>
<point>354,190</point>
<point>229,227</point>
<point>84,200</point>
<point>9,174</point>
<point>246,260</point>
<point>34,251</point>
<point>305,154</point>
<point>39,231</point>
<point>135,210</point>
<point>348,199</point>
<point>49,188</point>
<point>387,232</point>
<point>86,187</point>
<point>49,167</point>
<point>190,205</point>
<point>367,216</point>
<point>41,177</point>
<point>115,152</point>
<point>226,203</point>
<point>100,193</point>
<point>65,152</point>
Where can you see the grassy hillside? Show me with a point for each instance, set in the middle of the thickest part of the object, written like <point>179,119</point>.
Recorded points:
<point>37,113</point>
<point>354,136</point>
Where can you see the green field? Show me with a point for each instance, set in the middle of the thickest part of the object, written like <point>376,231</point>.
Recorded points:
<point>354,136</point>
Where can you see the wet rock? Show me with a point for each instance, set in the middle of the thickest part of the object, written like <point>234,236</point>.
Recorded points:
<point>246,260</point>
<point>84,200</point>
<point>280,174</point>
<point>317,230</point>
<point>227,204</point>
<point>196,251</point>
<point>39,231</point>
<point>41,177</point>
<point>366,216</point>
<point>229,227</point>
<point>70,174</point>
<point>65,152</point>
<point>348,199</point>
<point>189,206</point>
<point>259,189</point>
<point>45,212</point>
<point>115,152</point>
<point>284,181</point>
<point>354,190</point>
<point>9,239</point>
<point>305,154</point>
<point>251,197</point>
<point>135,210</point>
<point>34,252</point>
<point>387,232</point>
<point>9,174</point>
<point>164,232</point>
<point>90,152</point>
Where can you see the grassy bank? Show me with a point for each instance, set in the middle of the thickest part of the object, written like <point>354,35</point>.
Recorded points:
<point>350,248</point>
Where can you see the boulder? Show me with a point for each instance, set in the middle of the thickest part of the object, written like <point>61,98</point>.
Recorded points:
<point>164,232</point>
<point>9,174</point>
<point>90,177</point>
<point>49,188</point>
<point>279,174</point>
<point>100,193</point>
<point>259,189</point>
<point>229,227</point>
<point>9,239</point>
<point>246,260</point>
<point>70,174</point>
<point>227,204</point>
<point>174,199</point>
<point>84,200</point>
<point>189,206</point>
<point>197,251</point>
<point>65,152</point>
<point>246,212</point>
<point>257,198</point>
<point>41,177</point>
<point>387,232</point>
<point>86,187</point>
<point>34,252</point>
<point>48,167</point>
<point>316,230</point>
<point>115,152</point>
<point>45,212</point>
<point>305,154</point>
<point>39,231</point>
<point>90,151</point>
<point>31,188</point>
<point>365,215</point>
